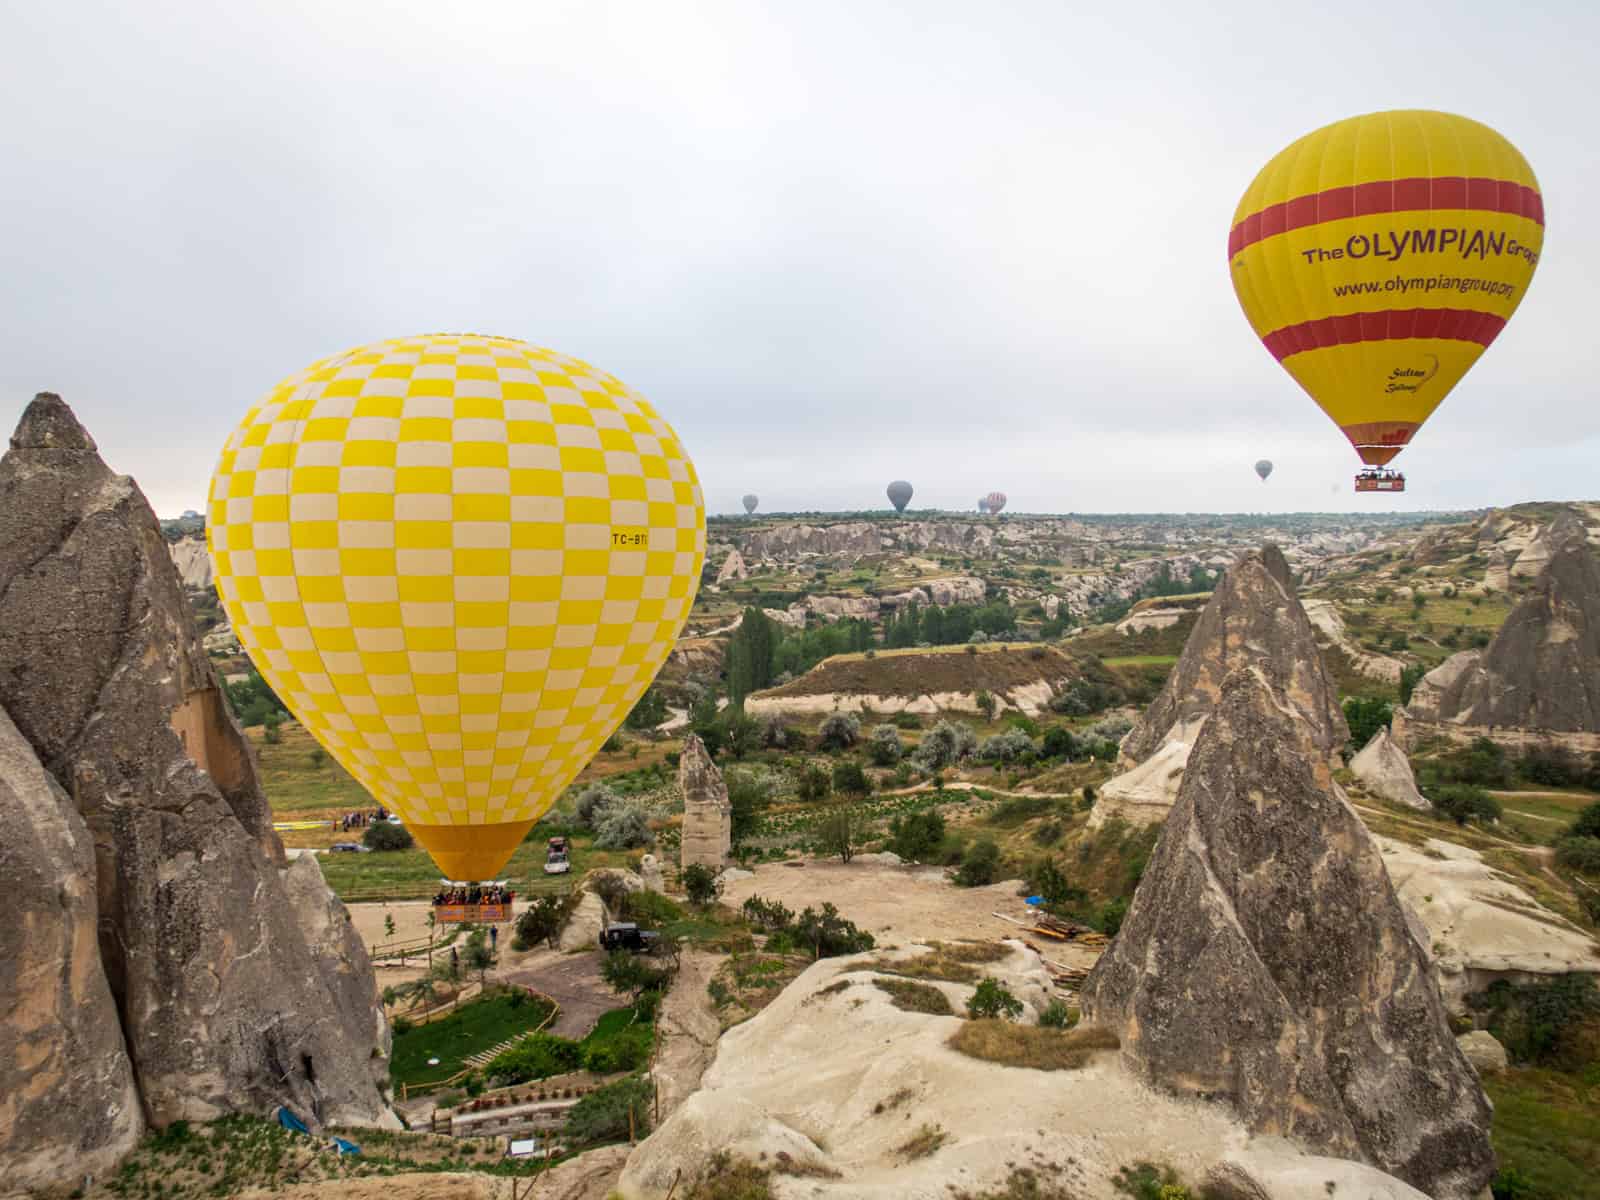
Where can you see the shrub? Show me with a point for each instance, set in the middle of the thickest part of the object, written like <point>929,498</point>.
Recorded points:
<point>1111,915</point>
<point>848,777</point>
<point>1483,764</point>
<point>814,785</point>
<point>1050,884</point>
<point>537,1056</point>
<point>1579,853</point>
<point>883,746</point>
<point>612,1112</point>
<point>992,1000</point>
<point>591,802</point>
<point>826,934</point>
<point>1365,716</point>
<point>1464,802</point>
<point>840,732</point>
<point>626,1050</point>
<point>906,720</point>
<point>1059,742</point>
<point>986,704</point>
<point>543,920</point>
<point>1147,1181</point>
<point>978,638</point>
<point>1057,1015</point>
<point>916,837</point>
<point>1009,747</point>
<point>1542,1023</point>
<point>384,835</point>
<point>981,865</point>
<point>622,827</point>
<point>774,733</point>
<point>1087,802</point>
<point>946,744</point>
<point>701,884</point>
<point>628,973</point>
<point>1588,823</point>
<point>839,832</point>
<point>769,915</point>
<point>748,796</point>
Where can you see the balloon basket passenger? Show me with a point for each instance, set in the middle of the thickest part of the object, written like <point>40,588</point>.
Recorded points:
<point>480,903</point>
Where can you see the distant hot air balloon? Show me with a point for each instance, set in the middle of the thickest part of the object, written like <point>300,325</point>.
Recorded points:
<point>750,503</point>
<point>983,504</point>
<point>899,494</point>
<point>996,500</point>
<point>1377,258</point>
<point>460,561</point>
<point>1264,468</point>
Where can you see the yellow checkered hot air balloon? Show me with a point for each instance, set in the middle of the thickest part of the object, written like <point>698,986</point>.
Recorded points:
<point>460,561</point>
<point>1378,257</point>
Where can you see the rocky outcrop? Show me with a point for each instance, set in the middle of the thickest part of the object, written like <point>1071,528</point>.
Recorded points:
<point>1477,925</point>
<point>1383,767</point>
<point>1483,1051</point>
<point>707,813</point>
<point>1329,623</point>
<point>1145,794</point>
<point>790,543</point>
<point>1266,961</point>
<point>733,568</point>
<point>1539,678</point>
<point>1254,618</point>
<point>193,561</point>
<point>68,1106</point>
<point>224,1002</point>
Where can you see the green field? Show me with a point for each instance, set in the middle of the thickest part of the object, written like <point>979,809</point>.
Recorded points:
<point>476,1026</point>
<point>1141,660</point>
<point>1547,1130</point>
<point>411,874</point>
<point>296,782</point>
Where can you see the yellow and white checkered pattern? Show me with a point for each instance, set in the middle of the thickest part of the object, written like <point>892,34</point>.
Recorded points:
<point>460,561</point>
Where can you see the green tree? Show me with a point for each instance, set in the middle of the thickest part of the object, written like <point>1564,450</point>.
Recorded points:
<point>849,778</point>
<point>916,837</point>
<point>1588,822</point>
<point>385,835</point>
<point>981,864</point>
<point>701,884</point>
<point>388,926</point>
<point>840,731</point>
<point>1366,715</point>
<point>479,956</point>
<point>649,712</point>
<point>1409,678</point>
<point>743,732</point>
<point>814,783</point>
<point>543,920</point>
<point>750,655</point>
<point>748,797</point>
<point>883,745</point>
<point>627,973</point>
<point>840,831</point>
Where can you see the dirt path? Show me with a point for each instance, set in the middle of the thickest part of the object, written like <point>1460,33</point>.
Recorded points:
<point>899,904</point>
<point>688,1028</point>
<point>572,981</point>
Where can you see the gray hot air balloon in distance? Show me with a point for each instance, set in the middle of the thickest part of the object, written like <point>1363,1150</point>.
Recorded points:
<point>899,494</point>
<point>750,503</point>
<point>983,504</point>
<point>1264,468</point>
<point>996,501</point>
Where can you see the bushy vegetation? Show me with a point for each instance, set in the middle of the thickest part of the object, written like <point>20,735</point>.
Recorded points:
<point>980,865</point>
<point>992,1000</point>
<point>917,837</point>
<point>839,732</point>
<point>912,996</point>
<point>946,744</point>
<point>473,1027</point>
<point>623,825</point>
<point>700,884</point>
<point>1034,1046</point>
<point>1550,1024</point>
<point>1366,715</point>
<point>1463,802</point>
<point>386,836</point>
<point>821,933</point>
<point>611,1113</point>
<point>542,920</point>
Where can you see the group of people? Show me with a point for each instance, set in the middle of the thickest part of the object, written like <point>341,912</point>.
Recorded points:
<point>488,893</point>
<point>360,820</point>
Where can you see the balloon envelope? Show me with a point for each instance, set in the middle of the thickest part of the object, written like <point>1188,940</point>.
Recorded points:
<point>459,561</point>
<point>983,504</point>
<point>899,494</point>
<point>996,501</point>
<point>1263,469</point>
<point>750,503</point>
<point>1378,257</point>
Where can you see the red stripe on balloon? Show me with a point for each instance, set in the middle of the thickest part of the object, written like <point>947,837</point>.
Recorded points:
<point>1453,192</point>
<point>1384,325</point>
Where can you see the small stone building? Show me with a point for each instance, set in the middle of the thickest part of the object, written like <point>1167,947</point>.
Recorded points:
<point>707,814</point>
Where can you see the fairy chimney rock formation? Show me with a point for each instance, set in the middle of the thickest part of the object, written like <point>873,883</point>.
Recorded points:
<point>1253,618</point>
<point>238,984</point>
<point>1267,963</point>
<point>707,814</point>
<point>1383,767</point>
<point>1538,681</point>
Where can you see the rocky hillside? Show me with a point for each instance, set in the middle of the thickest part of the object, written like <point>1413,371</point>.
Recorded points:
<point>176,967</point>
<point>1539,678</point>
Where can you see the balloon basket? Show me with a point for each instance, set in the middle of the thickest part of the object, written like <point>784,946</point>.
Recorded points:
<point>1380,481</point>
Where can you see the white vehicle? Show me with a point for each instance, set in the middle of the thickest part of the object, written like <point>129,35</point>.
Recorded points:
<point>556,860</point>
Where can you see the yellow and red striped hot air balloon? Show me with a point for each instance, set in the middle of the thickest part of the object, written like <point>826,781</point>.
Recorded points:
<point>1378,257</point>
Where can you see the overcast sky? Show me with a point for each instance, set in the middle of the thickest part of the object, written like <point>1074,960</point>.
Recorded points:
<point>975,246</point>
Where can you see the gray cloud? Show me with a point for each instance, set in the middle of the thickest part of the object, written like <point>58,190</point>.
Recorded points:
<point>975,246</point>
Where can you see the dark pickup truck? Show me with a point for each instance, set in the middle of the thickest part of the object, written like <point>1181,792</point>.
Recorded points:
<point>625,935</point>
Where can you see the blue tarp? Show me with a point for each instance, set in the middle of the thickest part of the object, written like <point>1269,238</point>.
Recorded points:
<point>346,1147</point>
<point>291,1122</point>
<point>1035,900</point>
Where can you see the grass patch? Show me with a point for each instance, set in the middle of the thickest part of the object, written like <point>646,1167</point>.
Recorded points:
<point>893,1101</point>
<point>1547,1131</point>
<point>1035,1046</point>
<point>925,1142</point>
<point>951,962</point>
<point>730,1178</point>
<point>911,996</point>
<point>1141,660</point>
<point>476,1026</point>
